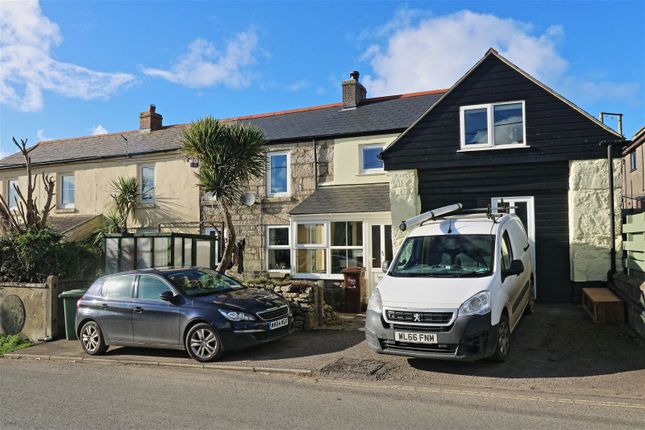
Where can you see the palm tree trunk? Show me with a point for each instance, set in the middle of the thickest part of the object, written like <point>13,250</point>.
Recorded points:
<point>230,243</point>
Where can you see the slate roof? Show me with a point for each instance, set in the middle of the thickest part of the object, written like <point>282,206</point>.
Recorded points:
<point>346,199</point>
<point>65,223</point>
<point>375,115</point>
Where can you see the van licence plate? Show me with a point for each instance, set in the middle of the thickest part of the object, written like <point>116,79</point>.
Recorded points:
<point>279,323</point>
<point>413,337</point>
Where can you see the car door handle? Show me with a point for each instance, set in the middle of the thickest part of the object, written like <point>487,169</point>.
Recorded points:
<point>138,309</point>
<point>105,306</point>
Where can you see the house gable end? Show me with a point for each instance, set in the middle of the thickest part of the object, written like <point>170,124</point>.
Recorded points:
<point>556,129</point>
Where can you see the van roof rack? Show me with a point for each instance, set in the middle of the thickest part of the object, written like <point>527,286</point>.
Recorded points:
<point>503,208</point>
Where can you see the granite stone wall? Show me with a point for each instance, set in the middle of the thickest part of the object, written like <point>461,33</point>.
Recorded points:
<point>251,222</point>
<point>589,232</point>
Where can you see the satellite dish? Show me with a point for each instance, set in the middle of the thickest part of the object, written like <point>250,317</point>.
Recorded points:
<point>247,199</point>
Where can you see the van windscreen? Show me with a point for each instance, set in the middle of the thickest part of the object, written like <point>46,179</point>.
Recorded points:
<point>453,256</point>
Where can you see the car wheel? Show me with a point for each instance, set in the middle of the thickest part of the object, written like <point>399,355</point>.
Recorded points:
<point>203,343</point>
<point>92,339</point>
<point>530,306</point>
<point>503,340</point>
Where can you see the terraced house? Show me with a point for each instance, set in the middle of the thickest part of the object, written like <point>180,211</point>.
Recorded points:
<point>339,176</point>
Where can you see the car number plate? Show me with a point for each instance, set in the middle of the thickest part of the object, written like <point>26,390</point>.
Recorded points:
<point>413,337</point>
<point>279,323</point>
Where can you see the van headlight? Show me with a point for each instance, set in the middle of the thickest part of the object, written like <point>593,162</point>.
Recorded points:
<point>236,316</point>
<point>375,303</point>
<point>479,304</point>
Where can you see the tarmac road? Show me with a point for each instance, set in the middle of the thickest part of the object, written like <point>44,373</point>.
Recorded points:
<point>65,395</point>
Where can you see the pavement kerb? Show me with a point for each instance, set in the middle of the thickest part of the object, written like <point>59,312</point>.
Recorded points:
<point>78,359</point>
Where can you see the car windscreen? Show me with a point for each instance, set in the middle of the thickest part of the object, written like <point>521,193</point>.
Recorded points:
<point>201,282</point>
<point>459,255</point>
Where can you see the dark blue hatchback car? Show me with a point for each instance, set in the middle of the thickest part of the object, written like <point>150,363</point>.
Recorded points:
<point>199,310</point>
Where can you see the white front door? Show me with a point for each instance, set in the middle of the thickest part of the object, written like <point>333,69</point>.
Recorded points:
<point>524,208</point>
<point>380,249</point>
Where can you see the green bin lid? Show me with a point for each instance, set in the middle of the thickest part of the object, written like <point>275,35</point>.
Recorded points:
<point>78,293</point>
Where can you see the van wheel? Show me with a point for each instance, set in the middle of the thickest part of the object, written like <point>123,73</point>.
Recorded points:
<point>503,340</point>
<point>530,306</point>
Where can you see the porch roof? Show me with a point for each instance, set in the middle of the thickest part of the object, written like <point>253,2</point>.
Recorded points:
<point>346,199</point>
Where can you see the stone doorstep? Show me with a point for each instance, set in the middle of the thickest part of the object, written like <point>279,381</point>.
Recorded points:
<point>212,366</point>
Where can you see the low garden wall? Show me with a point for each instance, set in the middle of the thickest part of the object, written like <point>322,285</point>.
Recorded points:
<point>306,299</point>
<point>34,309</point>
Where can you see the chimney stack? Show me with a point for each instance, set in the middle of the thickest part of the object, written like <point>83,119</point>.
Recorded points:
<point>150,120</point>
<point>353,91</point>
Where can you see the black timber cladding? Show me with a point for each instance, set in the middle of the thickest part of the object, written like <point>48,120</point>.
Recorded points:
<point>554,130</point>
<point>546,182</point>
<point>346,199</point>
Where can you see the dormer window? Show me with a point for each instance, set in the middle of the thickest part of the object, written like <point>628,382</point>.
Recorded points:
<point>493,126</point>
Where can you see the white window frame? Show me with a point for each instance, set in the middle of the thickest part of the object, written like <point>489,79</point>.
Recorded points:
<point>9,187</point>
<point>346,247</point>
<point>361,167</point>
<point>633,161</point>
<point>296,246</point>
<point>141,184</point>
<point>270,247</point>
<point>61,204</point>
<point>283,193</point>
<point>491,127</point>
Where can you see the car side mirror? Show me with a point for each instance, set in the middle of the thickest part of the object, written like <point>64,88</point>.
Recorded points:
<point>167,296</point>
<point>517,267</point>
<point>385,266</point>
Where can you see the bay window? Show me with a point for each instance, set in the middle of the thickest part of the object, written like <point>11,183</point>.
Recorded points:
<point>493,125</point>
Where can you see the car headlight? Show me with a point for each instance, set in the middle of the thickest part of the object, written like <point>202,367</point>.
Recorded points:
<point>236,316</point>
<point>479,304</point>
<point>375,303</point>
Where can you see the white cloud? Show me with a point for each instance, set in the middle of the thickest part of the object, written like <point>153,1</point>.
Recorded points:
<point>99,129</point>
<point>40,135</point>
<point>413,54</point>
<point>298,85</point>
<point>27,68</point>
<point>205,66</point>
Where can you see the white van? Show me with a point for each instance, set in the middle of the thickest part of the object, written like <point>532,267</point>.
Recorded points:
<point>456,289</point>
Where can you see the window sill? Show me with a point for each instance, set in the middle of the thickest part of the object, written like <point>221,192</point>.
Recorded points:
<point>494,148</point>
<point>146,205</point>
<point>371,173</point>
<point>277,198</point>
<point>66,210</point>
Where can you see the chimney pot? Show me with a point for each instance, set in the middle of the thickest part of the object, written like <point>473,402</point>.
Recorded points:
<point>354,93</point>
<point>150,120</point>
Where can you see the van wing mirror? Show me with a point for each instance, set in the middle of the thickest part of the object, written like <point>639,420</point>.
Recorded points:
<point>516,268</point>
<point>385,266</point>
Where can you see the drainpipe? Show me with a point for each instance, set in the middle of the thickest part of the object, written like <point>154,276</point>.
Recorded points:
<point>612,212</point>
<point>313,142</point>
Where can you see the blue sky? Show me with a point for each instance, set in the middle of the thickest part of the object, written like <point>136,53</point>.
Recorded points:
<point>74,68</point>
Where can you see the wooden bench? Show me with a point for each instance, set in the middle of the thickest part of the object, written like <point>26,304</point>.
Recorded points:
<point>603,306</point>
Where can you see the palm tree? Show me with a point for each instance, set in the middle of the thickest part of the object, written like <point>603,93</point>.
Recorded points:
<point>229,155</point>
<point>125,196</point>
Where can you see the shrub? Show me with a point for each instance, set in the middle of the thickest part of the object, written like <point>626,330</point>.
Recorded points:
<point>35,254</point>
<point>13,343</point>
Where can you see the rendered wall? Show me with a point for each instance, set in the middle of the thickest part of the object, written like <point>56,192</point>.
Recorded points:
<point>347,168</point>
<point>404,201</point>
<point>176,191</point>
<point>589,219</point>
